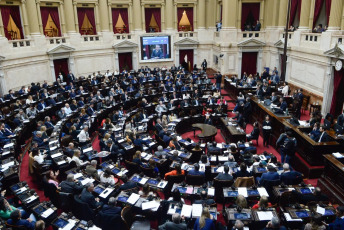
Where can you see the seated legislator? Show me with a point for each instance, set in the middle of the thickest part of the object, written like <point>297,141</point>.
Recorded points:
<point>175,172</point>
<point>176,224</point>
<point>87,197</point>
<point>205,222</point>
<point>338,223</point>
<point>255,132</point>
<point>196,171</point>
<point>204,199</point>
<point>16,221</point>
<point>290,177</point>
<point>323,137</point>
<point>70,185</point>
<point>340,119</point>
<point>317,195</point>
<point>243,171</point>
<point>91,170</point>
<point>268,176</point>
<point>207,120</point>
<point>263,203</point>
<point>127,184</point>
<point>315,133</point>
<point>111,209</point>
<point>225,175</point>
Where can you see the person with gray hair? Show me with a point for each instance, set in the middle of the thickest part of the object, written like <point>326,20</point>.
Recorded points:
<point>39,140</point>
<point>84,136</point>
<point>87,197</point>
<point>110,208</point>
<point>160,153</point>
<point>239,225</point>
<point>275,224</point>
<point>176,224</point>
<point>70,185</point>
<point>91,170</point>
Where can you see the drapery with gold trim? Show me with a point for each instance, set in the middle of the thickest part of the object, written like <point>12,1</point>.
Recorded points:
<point>153,19</point>
<point>87,23</point>
<point>185,18</point>
<point>120,20</point>
<point>51,21</point>
<point>12,23</point>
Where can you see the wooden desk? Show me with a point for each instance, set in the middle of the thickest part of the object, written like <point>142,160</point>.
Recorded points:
<point>233,89</point>
<point>208,131</point>
<point>230,133</point>
<point>331,181</point>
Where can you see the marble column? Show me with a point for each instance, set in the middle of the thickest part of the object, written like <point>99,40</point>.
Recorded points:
<point>229,14</point>
<point>32,14</point>
<point>97,17</point>
<point>282,19</point>
<point>25,19</point>
<point>1,26</point>
<point>76,20</point>
<point>211,14</point>
<point>104,15</point>
<point>304,15</point>
<point>201,14</point>
<point>137,15</point>
<point>335,14</point>
<point>162,11</point>
<point>62,18</point>
<point>169,19</point>
<point>110,17</point>
<point>69,15</point>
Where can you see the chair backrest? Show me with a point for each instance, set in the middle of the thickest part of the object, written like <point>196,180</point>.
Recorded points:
<point>175,179</point>
<point>287,198</point>
<point>244,182</point>
<point>269,184</point>
<point>297,179</point>
<point>66,201</point>
<point>195,179</point>
<point>127,216</point>
<point>147,171</point>
<point>222,183</point>
<point>82,210</point>
<point>65,140</point>
<point>107,222</point>
<point>13,227</point>
<point>132,167</point>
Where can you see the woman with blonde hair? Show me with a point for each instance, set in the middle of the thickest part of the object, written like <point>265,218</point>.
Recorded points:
<point>205,222</point>
<point>164,121</point>
<point>263,203</point>
<point>29,100</point>
<point>241,201</point>
<point>44,132</point>
<point>77,160</point>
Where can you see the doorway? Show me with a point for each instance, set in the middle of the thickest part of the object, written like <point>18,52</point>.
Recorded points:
<point>186,59</point>
<point>61,65</point>
<point>249,63</point>
<point>125,61</point>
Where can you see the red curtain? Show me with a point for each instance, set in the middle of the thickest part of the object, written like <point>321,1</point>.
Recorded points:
<point>317,9</point>
<point>61,65</point>
<point>124,14</point>
<point>54,13</point>
<point>125,61</point>
<point>328,10</point>
<point>189,13</point>
<point>157,15</point>
<point>6,11</point>
<point>189,53</point>
<point>90,14</point>
<point>338,93</point>
<point>295,6</point>
<point>249,63</point>
<point>249,14</point>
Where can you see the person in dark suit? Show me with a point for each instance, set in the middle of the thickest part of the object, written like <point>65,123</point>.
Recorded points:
<point>240,119</point>
<point>289,177</point>
<point>110,208</point>
<point>71,77</point>
<point>284,104</point>
<point>340,119</point>
<point>255,132</point>
<point>39,140</point>
<point>225,175</point>
<point>91,170</point>
<point>268,176</point>
<point>157,53</point>
<point>90,110</point>
<point>196,171</point>
<point>87,197</point>
<point>207,120</point>
<point>176,224</point>
<point>204,65</point>
<point>41,105</point>
<point>218,80</point>
<point>16,221</point>
<point>158,125</point>
<point>274,98</point>
<point>339,221</point>
<point>70,185</point>
<point>243,171</point>
<point>247,109</point>
<point>204,199</point>
<point>259,92</point>
<point>317,195</point>
<point>266,131</point>
<point>323,137</point>
<point>184,103</point>
<point>113,149</point>
<point>127,184</point>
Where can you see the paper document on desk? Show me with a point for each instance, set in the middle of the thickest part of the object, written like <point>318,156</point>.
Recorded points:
<point>337,155</point>
<point>213,158</point>
<point>77,175</point>
<point>186,211</point>
<point>87,180</point>
<point>47,213</point>
<point>88,150</point>
<point>133,198</point>
<point>262,192</point>
<point>153,205</point>
<point>267,215</point>
<point>220,169</point>
<point>143,181</point>
<point>211,191</point>
<point>197,210</point>
<point>56,155</point>
<point>69,226</point>
<point>106,193</point>
<point>242,191</point>
<point>321,210</point>
<point>288,217</point>
<point>223,158</point>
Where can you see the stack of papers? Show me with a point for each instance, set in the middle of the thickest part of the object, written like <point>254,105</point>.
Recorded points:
<point>162,184</point>
<point>337,155</point>
<point>152,205</point>
<point>133,198</point>
<point>267,215</point>
<point>211,191</point>
<point>197,210</point>
<point>186,211</point>
<point>143,181</point>
<point>321,210</point>
<point>56,155</point>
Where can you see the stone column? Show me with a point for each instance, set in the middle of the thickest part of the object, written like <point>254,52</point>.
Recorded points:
<point>261,14</point>
<point>97,17</point>
<point>25,19</point>
<point>63,19</point>
<point>162,12</point>
<point>176,17</point>
<point>195,19</point>
<point>238,16</point>
<point>201,14</point>
<point>143,19</point>
<point>211,14</point>
<point>282,19</point>
<point>275,13</point>
<point>304,16</point>
<point>130,16</point>
<point>311,15</point>
<point>335,14</point>
<point>69,15</point>
<point>40,23</point>
<point>1,26</point>
<point>136,15</point>
<point>32,14</point>
<point>104,16</point>
<point>229,14</point>
<point>169,15</point>
<point>110,17</point>
<point>76,20</point>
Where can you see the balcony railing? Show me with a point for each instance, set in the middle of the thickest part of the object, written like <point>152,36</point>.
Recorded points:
<point>122,36</point>
<point>20,43</point>
<point>290,35</point>
<point>56,40</point>
<point>186,34</point>
<point>91,38</point>
<point>311,40</point>
<point>244,35</point>
<point>337,39</point>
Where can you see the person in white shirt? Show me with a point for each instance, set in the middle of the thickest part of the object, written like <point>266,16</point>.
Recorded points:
<point>77,160</point>
<point>83,135</point>
<point>161,108</point>
<point>107,178</point>
<point>29,100</point>
<point>38,157</point>
<point>285,89</point>
<point>67,109</point>
<point>108,74</point>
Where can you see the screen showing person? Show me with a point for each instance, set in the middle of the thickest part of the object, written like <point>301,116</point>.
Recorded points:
<point>153,48</point>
